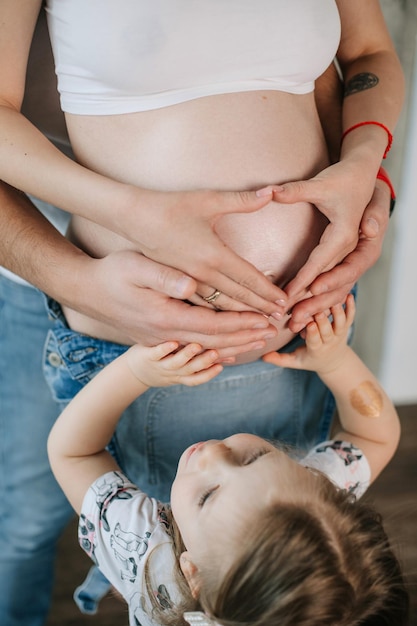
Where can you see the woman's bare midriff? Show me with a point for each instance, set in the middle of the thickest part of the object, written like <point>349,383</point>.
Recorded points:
<point>228,142</point>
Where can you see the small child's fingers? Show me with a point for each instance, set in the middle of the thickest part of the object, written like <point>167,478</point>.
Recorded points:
<point>200,362</point>
<point>275,358</point>
<point>339,319</point>
<point>283,359</point>
<point>313,337</point>
<point>200,377</point>
<point>324,326</point>
<point>162,350</point>
<point>182,356</point>
<point>344,316</point>
<point>350,309</point>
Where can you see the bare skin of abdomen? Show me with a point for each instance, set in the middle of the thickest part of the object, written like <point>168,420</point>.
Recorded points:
<point>228,142</point>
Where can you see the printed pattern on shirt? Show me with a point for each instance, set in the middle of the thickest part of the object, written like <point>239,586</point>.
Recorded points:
<point>126,533</point>
<point>343,463</point>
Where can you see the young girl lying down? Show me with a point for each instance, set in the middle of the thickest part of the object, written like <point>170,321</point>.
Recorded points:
<point>252,536</point>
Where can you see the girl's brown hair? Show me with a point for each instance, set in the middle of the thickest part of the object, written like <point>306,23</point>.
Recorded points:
<point>325,560</point>
<point>319,559</point>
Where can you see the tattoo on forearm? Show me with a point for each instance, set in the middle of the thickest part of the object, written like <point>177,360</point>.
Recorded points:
<point>367,399</point>
<point>360,82</point>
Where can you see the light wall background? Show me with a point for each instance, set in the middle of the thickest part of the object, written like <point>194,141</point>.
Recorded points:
<point>386,330</point>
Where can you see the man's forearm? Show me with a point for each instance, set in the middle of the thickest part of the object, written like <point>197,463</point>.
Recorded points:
<point>34,249</point>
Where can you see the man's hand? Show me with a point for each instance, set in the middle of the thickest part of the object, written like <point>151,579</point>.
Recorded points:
<point>332,286</point>
<point>144,300</point>
<point>340,192</point>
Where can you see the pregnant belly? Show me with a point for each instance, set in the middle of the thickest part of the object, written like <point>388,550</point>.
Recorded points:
<point>237,142</point>
<point>277,240</point>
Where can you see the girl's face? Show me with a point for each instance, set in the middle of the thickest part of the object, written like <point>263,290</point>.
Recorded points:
<point>220,484</point>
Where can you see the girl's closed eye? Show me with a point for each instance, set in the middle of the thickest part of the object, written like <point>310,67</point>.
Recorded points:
<point>255,455</point>
<point>251,458</point>
<point>206,495</point>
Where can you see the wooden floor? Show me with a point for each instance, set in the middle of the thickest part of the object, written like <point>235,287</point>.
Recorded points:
<point>394,494</point>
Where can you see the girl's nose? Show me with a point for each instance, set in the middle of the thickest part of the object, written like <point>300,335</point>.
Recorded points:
<point>214,453</point>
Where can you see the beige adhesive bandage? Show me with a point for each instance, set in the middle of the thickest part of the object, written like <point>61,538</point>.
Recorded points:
<point>367,399</point>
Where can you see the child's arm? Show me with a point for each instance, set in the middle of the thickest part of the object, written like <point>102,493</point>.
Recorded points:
<point>368,417</point>
<point>76,444</point>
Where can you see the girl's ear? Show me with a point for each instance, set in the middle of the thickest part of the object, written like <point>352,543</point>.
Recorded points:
<point>190,571</point>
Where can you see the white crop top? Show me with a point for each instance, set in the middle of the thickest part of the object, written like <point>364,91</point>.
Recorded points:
<point>125,56</point>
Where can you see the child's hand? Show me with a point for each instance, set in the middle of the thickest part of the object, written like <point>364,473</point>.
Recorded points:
<point>326,342</point>
<point>163,365</point>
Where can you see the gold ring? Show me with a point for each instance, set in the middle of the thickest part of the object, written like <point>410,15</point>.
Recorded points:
<point>210,299</point>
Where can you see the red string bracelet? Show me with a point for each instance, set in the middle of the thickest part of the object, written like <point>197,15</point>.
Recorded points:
<point>387,130</point>
<point>383,175</point>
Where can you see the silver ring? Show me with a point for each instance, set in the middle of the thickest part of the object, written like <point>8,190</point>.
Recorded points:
<point>210,299</point>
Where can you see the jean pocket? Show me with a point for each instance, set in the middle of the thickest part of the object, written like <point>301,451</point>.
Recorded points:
<point>71,360</point>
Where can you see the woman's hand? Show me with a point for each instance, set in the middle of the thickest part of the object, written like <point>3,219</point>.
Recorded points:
<point>180,231</point>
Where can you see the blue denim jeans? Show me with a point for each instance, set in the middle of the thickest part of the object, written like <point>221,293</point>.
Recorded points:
<point>33,509</point>
<point>281,404</point>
